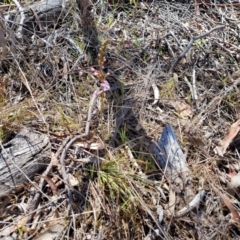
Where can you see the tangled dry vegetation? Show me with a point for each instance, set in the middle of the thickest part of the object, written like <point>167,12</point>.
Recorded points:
<point>167,63</point>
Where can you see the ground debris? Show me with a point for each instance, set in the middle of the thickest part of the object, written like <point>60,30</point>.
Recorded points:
<point>160,64</point>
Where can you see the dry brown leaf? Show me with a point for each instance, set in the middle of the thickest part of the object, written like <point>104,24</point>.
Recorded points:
<point>224,143</point>
<point>73,180</point>
<point>233,211</point>
<point>21,225</point>
<point>227,202</point>
<point>183,109</point>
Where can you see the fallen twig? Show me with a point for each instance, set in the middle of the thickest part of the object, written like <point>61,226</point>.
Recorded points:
<point>37,19</point>
<point>51,184</point>
<point>193,204</point>
<point>62,146</point>
<point>34,203</point>
<point>193,39</point>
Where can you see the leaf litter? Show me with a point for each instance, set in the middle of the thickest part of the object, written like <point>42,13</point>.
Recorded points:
<point>164,64</point>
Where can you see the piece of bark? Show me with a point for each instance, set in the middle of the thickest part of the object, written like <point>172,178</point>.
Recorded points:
<point>40,6</point>
<point>26,154</point>
<point>172,160</point>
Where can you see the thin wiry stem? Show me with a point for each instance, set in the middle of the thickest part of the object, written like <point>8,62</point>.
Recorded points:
<point>64,152</point>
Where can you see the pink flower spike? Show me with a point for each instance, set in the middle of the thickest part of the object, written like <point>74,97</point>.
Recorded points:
<point>92,69</point>
<point>105,85</point>
<point>95,73</point>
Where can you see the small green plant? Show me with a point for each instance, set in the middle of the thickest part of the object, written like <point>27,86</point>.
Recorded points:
<point>170,84</point>
<point>224,80</point>
<point>65,120</point>
<point>110,20</point>
<point>189,96</point>
<point>168,88</point>
<point>134,2</point>
<point>7,1</point>
<point>117,185</point>
<point>137,42</point>
<point>231,99</point>
<point>123,134</point>
<point>81,45</point>
<point>200,42</point>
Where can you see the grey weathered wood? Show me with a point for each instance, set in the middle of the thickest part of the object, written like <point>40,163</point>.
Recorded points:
<point>40,6</point>
<point>25,155</point>
<point>48,12</point>
<point>171,159</point>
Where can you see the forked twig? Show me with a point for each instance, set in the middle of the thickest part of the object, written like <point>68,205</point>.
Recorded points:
<point>193,39</point>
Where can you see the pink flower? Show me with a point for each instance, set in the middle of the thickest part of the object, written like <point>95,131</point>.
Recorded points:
<point>105,85</point>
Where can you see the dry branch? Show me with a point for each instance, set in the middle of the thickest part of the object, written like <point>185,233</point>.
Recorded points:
<point>193,39</point>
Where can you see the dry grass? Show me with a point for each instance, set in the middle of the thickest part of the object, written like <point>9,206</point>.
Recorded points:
<point>46,84</point>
